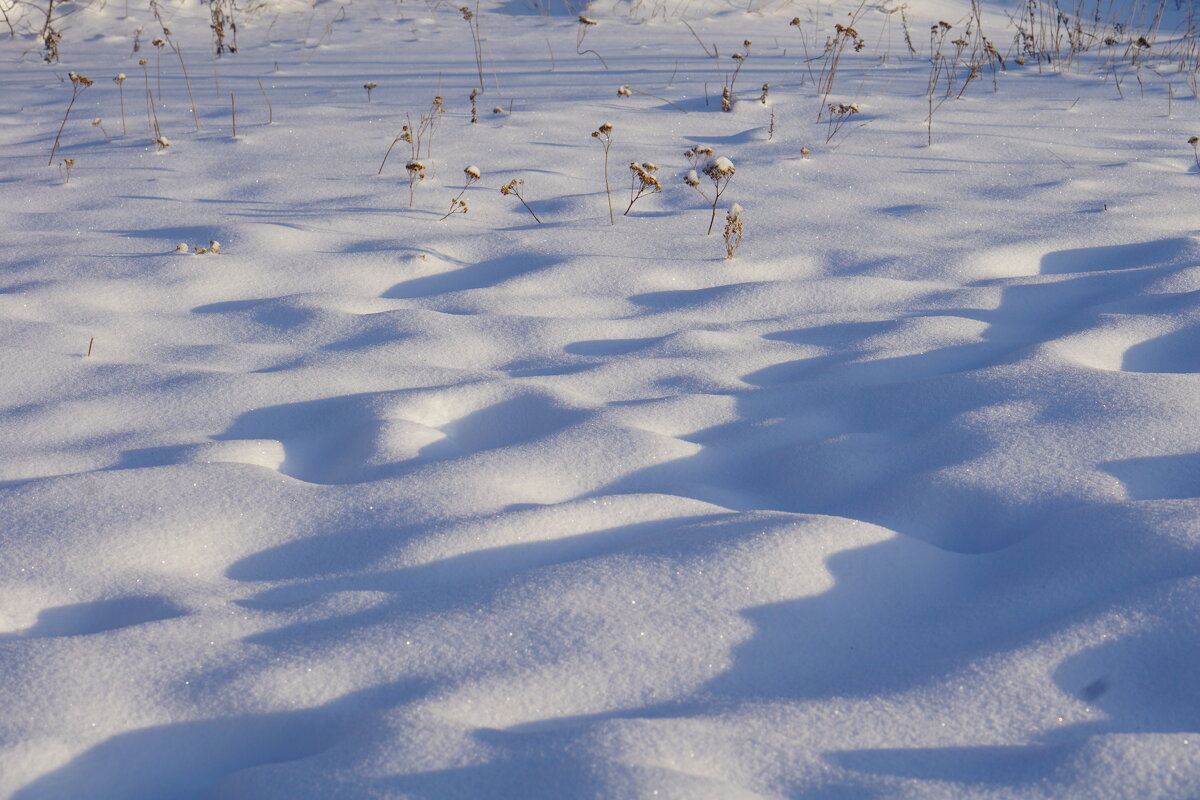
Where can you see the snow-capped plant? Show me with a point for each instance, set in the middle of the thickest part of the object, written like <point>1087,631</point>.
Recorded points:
<point>369,86</point>
<point>585,23</point>
<point>718,170</point>
<point>458,205</point>
<point>119,80</point>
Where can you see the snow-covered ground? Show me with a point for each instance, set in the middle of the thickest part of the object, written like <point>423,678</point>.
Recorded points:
<point>900,501</point>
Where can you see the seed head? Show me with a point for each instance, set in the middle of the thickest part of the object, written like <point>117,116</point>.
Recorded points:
<point>473,172</point>
<point>719,168</point>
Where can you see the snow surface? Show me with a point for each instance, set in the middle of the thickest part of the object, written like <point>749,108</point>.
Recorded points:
<point>901,501</point>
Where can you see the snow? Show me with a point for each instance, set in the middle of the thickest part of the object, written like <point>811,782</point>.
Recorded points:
<point>308,493</point>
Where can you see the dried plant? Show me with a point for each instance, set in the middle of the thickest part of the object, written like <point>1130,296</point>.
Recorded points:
<point>416,174</point>
<point>416,135</point>
<point>733,230</point>
<point>369,86</point>
<point>472,20</point>
<point>643,182</point>
<point>586,23</point>
<point>844,36</point>
<point>720,172</point>
<point>1195,143</point>
<point>938,66</point>
<point>512,187</point>
<point>120,82</point>
<point>603,134</point>
<point>629,91</point>
<point>66,165</point>
<point>270,110</point>
<point>839,113</point>
<point>727,96</point>
<point>697,155</point>
<point>159,43</point>
<point>99,123</point>
<point>78,84</point>
<point>223,25</point>
<point>156,134</point>
<point>458,205</point>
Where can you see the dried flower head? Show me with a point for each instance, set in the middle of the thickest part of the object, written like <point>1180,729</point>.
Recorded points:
<point>719,168</point>
<point>624,91</point>
<point>214,246</point>
<point>120,78</point>
<point>692,179</point>
<point>473,172</point>
<point>587,20</point>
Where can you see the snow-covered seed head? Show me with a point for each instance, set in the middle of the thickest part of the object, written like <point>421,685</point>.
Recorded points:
<point>119,79</point>
<point>605,128</point>
<point>735,211</point>
<point>624,91</point>
<point>181,248</point>
<point>1195,140</point>
<point>97,122</point>
<point>587,20</point>
<point>473,172</point>
<point>214,246</point>
<point>692,179</point>
<point>159,42</point>
<point>719,168</point>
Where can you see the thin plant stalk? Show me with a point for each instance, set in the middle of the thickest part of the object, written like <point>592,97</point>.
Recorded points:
<point>78,84</point>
